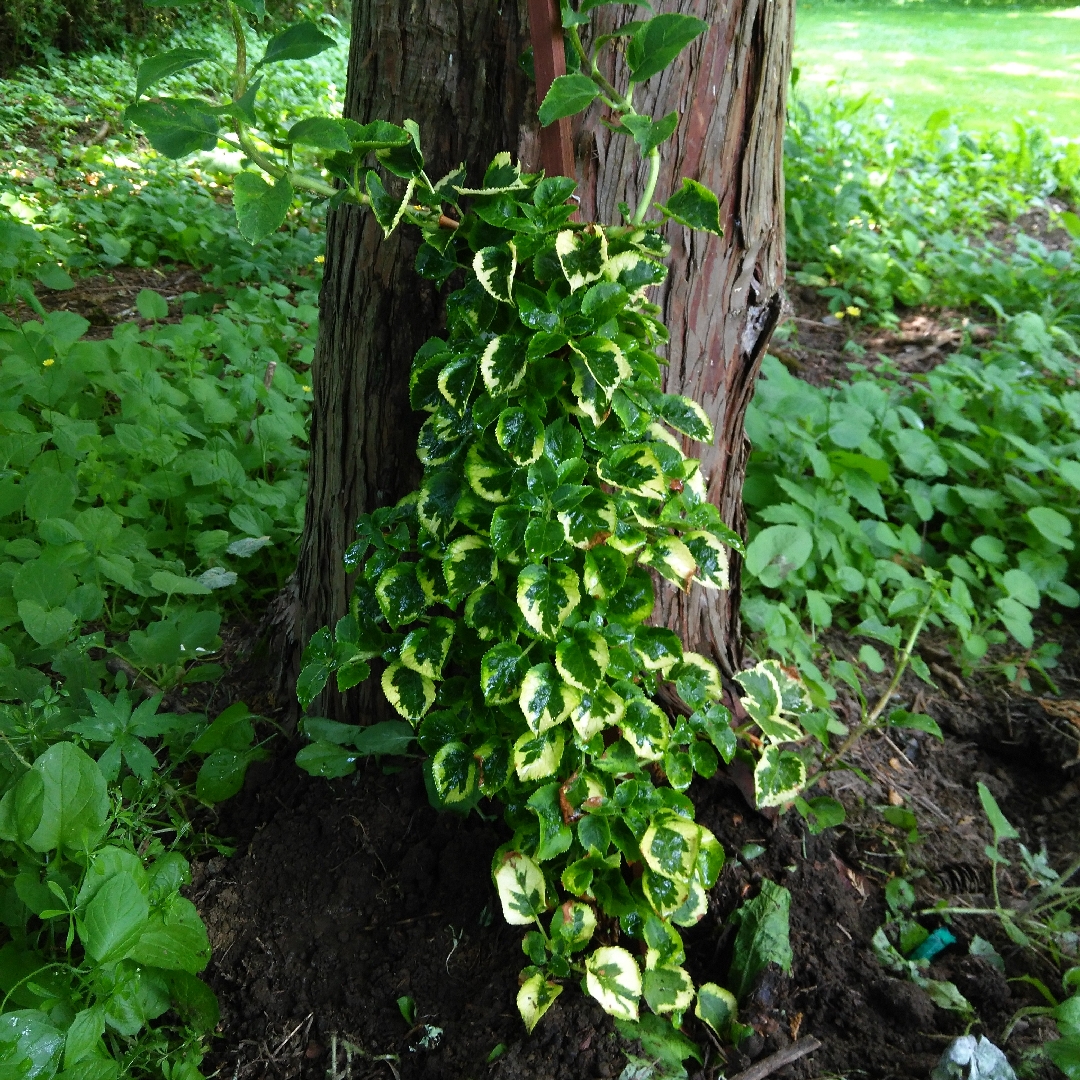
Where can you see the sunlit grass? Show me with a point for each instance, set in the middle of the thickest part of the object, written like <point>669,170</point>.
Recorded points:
<point>988,65</point>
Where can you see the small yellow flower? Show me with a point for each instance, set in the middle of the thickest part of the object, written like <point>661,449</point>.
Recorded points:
<point>320,258</point>
<point>306,389</point>
<point>48,363</point>
<point>838,315</point>
<point>853,311</point>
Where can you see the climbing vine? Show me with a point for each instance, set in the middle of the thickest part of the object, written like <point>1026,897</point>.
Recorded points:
<point>505,604</point>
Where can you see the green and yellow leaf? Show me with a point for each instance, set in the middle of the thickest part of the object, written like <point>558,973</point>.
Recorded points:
<point>546,596</point>
<point>711,558</point>
<point>468,565</point>
<point>545,699</point>
<point>614,979</point>
<point>494,268</point>
<point>538,756</point>
<point>453,768</point>
<point>599,708</point>
<point>582,659</point>
<point>671,559</point>
<point>425,649</point>
<point>409,692</point>
<point>522,889</point>
<point>503,365</point>
<point>535,998</point>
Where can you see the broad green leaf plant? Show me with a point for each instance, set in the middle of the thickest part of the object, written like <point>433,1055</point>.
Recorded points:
<point>505,604</point>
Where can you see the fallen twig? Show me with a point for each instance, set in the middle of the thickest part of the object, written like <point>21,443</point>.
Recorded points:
<point>775,1062</point>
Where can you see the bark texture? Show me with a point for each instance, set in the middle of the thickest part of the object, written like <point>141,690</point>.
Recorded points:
<point>453,67</point>
<point>722,299</point>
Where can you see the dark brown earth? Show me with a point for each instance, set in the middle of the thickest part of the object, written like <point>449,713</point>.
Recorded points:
<point>345,895</point>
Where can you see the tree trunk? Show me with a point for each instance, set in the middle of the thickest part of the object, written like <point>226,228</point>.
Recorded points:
<point>453,67</point>
<point>722,299</point>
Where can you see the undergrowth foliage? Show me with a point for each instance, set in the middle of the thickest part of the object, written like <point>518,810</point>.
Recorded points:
<point>151,484</point>
<point>506,600</point>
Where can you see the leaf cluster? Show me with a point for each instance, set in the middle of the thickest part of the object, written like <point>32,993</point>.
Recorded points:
<point>100,969</point>
<point>504,604</point>
<point>971,471</point>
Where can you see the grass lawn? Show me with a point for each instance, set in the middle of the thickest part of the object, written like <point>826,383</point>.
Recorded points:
<point>990,65</point>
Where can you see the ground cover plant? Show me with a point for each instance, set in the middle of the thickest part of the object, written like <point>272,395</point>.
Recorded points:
<point>970,469</point>
<point>153,484</point>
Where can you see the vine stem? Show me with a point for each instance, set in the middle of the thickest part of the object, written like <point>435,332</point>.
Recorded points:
<point>650,186</point>
<point>240,70</point>
<point>246,143</point>
<point>901,666</point>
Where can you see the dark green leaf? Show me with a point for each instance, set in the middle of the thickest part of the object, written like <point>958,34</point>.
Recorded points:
<point>62,801</point>
<point>165,64</point>
<point>658,42</point>
<point>649,134</point>
<point>323,132</point>
<point>260,207</point>
<point>569,94</point>
<point>696,207</point>
<point>386,737</point>
<point>115,919</point>
<point>327,759</point>
<point>762,938</point>
<point>296,43</point>
<point>175,938</point>
<point>175,128</point>
<point>221,775</point>
<point>30,1045</point>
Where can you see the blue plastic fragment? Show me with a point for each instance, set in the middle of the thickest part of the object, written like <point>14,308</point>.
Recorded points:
<point>937,942</point>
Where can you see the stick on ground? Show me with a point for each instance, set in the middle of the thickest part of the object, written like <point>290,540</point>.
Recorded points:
<point>775,1062</point>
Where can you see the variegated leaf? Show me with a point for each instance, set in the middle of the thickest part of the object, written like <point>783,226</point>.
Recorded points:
<point>581,255</point>
<point>522,889</point>
<point>779,776</point>
<point>646,728</point>
<point>582,658</point>
<point>547,596</point>
<point>545,699</point>
<point>425,649</point>
<point>409,692</point>
<point>501,672</point>
<point>671,559</point>
<point>494,268</point>
<point>764,703</point>
<point>453,768</point>
<point>538,756</point>
<point>614,979</point>
<point>521,435</point>
<point>400,595</point>
<point>489,471</point>
<point>599,708</point>
<point>468,565</point>
<point>535,998</point>
<point>665,895</point>
<point>636,469</point>
<point>503,365</point>
<point>456,381</point>
<point>573,924</point>
<point>604,359</point>
<point>667,988</point>
<point>711,558</point>
<point>670,846</point>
